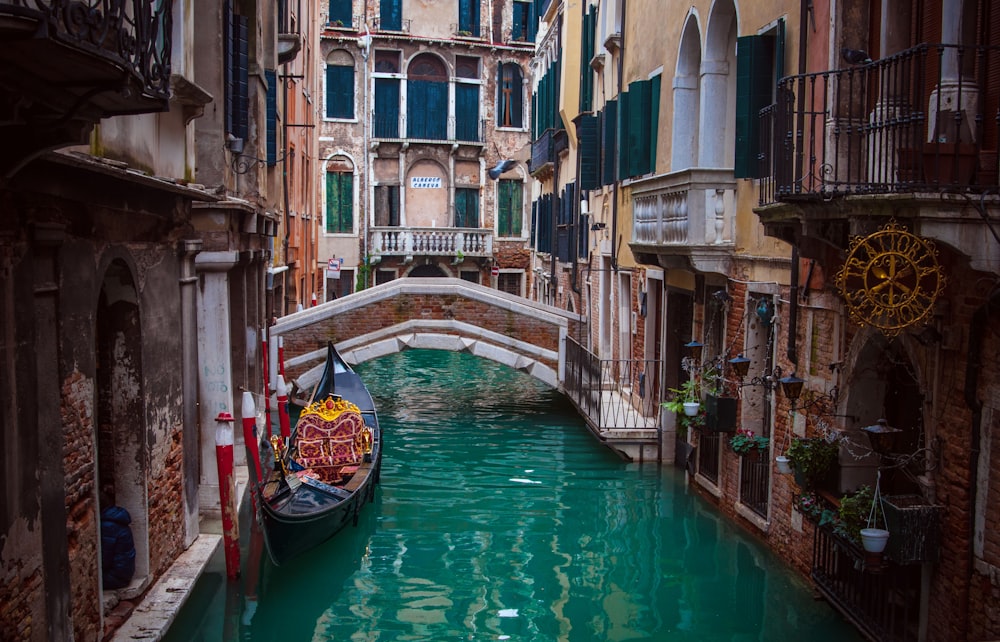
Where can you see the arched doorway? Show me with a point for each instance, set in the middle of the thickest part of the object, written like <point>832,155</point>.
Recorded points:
<point>427,270</point>
<point>121,462</point>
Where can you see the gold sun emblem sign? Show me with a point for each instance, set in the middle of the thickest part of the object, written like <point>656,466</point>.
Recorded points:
<point>891,279</point>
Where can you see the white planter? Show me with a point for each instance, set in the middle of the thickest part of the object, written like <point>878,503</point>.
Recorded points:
<point>784,465</point>
<point>874,539</point>
<point>691,408</point>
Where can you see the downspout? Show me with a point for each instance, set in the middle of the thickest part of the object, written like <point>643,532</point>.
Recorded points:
<point>793,308</point>
<point>284,185</point>
<point>614,203</point>
<point>554,216</point>
<point>575,225</point>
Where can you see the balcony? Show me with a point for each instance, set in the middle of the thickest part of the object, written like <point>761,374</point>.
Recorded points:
<point>64,66</point>
<point>451,130</point>
<point>685,219</point>
<point>409,242</point>
<point>919,124</point>
<point>883,603</point>
<point>544,151</point>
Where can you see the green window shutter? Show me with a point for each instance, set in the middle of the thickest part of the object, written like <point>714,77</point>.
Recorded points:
<point>391,15</point>
<point>609,122</point>
<point>339,91</point>
<point>510,194</point>
<point>754,73</point>
<point>468,16</point>
<point>467,112</point>
<point>340,11</point>
<point>272,116</point>
<point>638,127</point>
<point>624,104</point>
<point>427,109</point>
<point>339,202</point>
<point>586,132</point>
<point>466,207</point>
<point>588,37</point>
<point>386,114</point>
<point>654,119</point>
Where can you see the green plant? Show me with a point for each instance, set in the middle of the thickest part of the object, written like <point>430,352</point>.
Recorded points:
<point>853,514</point>
<point>745,442</point>
<point>689,392</point>
<point>814,509</point>
<point>812,458</point>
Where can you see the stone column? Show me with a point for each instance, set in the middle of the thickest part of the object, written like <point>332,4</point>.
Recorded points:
<point>714,89</point>
<point>189,383</point>
<point>215,380</point>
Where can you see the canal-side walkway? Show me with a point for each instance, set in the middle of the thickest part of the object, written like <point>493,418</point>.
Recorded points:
<point>156,610</point>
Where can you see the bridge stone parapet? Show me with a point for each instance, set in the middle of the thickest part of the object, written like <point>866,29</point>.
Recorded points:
<point>436,313</point>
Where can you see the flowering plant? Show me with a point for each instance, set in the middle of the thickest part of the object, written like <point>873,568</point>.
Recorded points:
<point>745,441</point>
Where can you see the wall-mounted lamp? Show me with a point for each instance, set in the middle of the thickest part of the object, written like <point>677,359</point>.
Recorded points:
<point>693,348</point>
<point>882,436</point>
<point>769,379</point>
<point>792,387</point>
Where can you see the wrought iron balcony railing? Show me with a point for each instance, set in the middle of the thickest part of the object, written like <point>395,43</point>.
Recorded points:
<point>432,241</point>
<point>924,119</point>
<point>546,147</point>
<point>883,602</point>
<point>94,43</point>
<point>451,130</point>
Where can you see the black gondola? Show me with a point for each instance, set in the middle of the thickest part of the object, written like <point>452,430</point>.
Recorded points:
<point>320,482</point>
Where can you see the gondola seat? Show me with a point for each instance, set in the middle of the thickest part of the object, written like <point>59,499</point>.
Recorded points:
<point>330,439</point>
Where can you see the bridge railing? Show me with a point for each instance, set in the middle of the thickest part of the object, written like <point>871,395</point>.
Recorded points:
<point>433,241</point>
<point>611,393</point>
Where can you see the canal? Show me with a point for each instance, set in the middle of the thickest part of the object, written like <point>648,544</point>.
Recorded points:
<point>500,517</point>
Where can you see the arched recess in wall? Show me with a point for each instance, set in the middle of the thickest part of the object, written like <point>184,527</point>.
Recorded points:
<point>685,135</point>
<point>120,421</point>
<point>427,194</point>
<point>718,88</point>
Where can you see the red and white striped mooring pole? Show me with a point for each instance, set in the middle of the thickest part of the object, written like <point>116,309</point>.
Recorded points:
<point>227,493</point>
<point>250,434</point>
<point>286,430</point>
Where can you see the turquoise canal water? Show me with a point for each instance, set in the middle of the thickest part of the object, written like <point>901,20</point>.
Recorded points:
<point>500,517</point>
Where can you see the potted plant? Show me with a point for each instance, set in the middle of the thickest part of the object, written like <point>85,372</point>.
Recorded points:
<point>784,464</point>
<point>812,459</point>
<point>686,399</point>
<point>745,442</point>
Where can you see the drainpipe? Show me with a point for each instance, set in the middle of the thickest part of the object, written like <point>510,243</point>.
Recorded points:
<point>614,203</point>
<point>793,308</point>
<point>188,250</point>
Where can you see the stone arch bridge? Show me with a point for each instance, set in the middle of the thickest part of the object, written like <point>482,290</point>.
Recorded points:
<point>453,314</point>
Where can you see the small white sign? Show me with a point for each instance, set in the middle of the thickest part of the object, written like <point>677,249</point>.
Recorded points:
<point>333,268</point>
<point>425,182</point>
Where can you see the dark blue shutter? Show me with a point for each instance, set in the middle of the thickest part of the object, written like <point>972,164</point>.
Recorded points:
<point>340,10</point>
<point>586,132</point>
<point>229,66</point>
<point>386,115</point>
<point>339,91</point>
<point>468,16</point>
<point>427,109</point>
<point>467,112</point>
<point>272,116</point>
<point>391,15</point>
<point>654,119</point>
<point>610,124</point>
<point>241,79</point>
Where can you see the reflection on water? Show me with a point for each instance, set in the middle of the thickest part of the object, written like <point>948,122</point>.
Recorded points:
<point>500,517</point>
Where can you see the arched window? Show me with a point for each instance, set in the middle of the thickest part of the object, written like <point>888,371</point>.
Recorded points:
<point>510,101</point>
<point>340,85</point>
<point>427,98</point>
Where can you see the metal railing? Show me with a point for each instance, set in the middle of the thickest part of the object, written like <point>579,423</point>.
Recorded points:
<point>612,393</point>
<point>709,446</point>
<point>884,603</point>
<point>432,241</point>
<point>389,128</point>
<point>134,35</point>
<point>924,119</point>
<point>755,481</point>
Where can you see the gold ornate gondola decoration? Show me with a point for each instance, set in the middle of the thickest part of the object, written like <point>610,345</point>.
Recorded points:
<point>891,279</point>
<point>330,408</point>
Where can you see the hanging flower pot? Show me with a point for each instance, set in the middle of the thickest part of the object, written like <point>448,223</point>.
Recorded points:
<point>691,408</point>
<point>874,539</point>
<point>784,464</point>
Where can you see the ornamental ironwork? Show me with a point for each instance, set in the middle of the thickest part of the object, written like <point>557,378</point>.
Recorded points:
<point>135,34</point>
<point>891,279</point>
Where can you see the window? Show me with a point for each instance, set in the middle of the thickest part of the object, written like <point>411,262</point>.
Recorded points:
<point>390,15</point>
<point>637,122</point>
<point>336,288</point>
<point>466,207</point>
<point>427,99</point>
<point>472,276</point>
<point>385,119</point>
<point>237,74</point>
<point>510,101</point>
<point>510,282</point>
<point>387,205</point>
<point>340,13</point>
<point>468,17</point>
<point>759,61</point>
<point>586,55</point>
<point>510,204</point>
<point>339,202</point>
<point>340,85</point>
<point>590,151</point>
<point>272,116</point>
<point>467,99</point>
<point>523,24</point>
